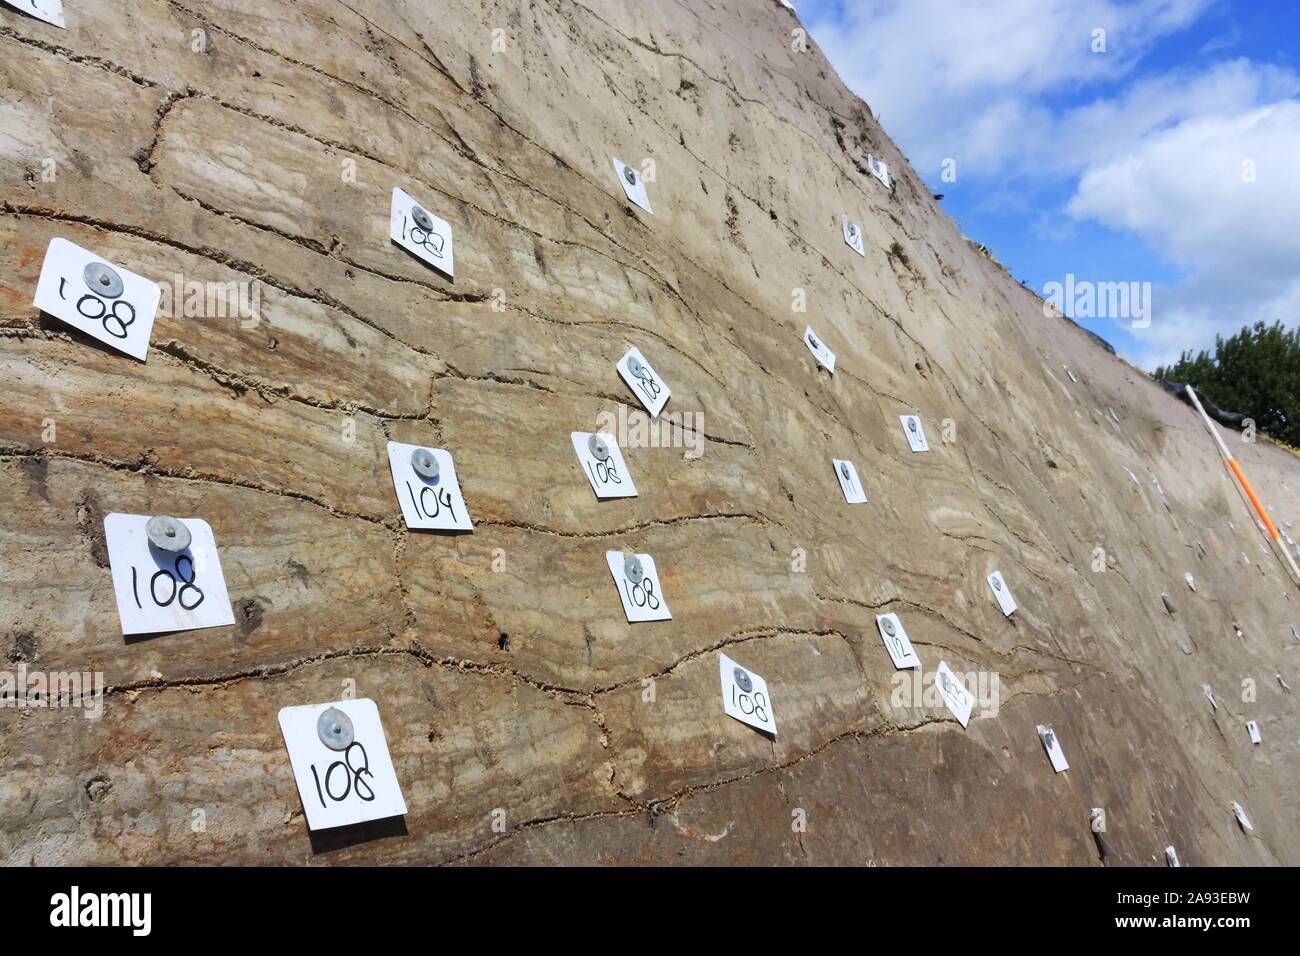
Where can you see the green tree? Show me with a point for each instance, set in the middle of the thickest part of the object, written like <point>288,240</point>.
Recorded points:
<point>1255,372</point>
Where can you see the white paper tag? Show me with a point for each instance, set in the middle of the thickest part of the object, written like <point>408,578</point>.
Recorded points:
<point>819,350</point>
<point>956,696</point>
<point>119,317</point>
<point>608,475</point>
<point>644,381</point>
<point>1053,747</point>
<point>1209,695</point>
<point>1002,593</point>
<point>162,591</point>
<point>1240,813</point>
<point>915,432</point>
<point>899,647</point>
<point>853,236</point>
<point>432,245</point>
<point>880,170</point>
<point>428,502</point>
<point>341,787</point>
<point>633,185</point>
<point>849,483</point>
<point>745,697</point>
<point>643,599</point>
<point>51,11</point>
<point>1252,728</point>
<point>1171,856</point>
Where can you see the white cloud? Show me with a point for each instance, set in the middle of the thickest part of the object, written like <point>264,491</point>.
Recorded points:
<point>965,79</point>
<point>1185,192</point>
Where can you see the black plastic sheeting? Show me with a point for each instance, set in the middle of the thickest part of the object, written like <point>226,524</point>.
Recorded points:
<point>1179,390</point>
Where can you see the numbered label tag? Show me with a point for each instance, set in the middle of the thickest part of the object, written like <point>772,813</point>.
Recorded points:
<point>849,483</point>
<point>853,236</point>
<point>633,185</point>
<point>896,642</point>
<point>745,697</point>
<point>340,763</point>
<point>426,485</point>
<point>51,11</point>
<point>602,462</point>
<point>880,170</point>
<point>1209,695</point>
<point>1053,747</point>
<point>1252,728</point>
<point>915,432</point>
<point>176,588</point>
<point>819,350</point>
<point>638,586</point>
<point>644,381</point>
<point>956,696</point>
<point>421,233</point>
<point>1002,593</point>
<point>105,301</point>
<point>1171,856</point>
<point>1240,813</point>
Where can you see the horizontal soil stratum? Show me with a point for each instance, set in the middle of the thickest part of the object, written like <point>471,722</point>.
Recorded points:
<point>528,722</point>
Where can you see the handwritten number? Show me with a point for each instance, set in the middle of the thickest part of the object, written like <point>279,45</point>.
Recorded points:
<point>186,584</point>
<point>352,777</point>
<point>643,594</point>
<point>441,499</point>
<point>757,703</point>
<point>86,308</point>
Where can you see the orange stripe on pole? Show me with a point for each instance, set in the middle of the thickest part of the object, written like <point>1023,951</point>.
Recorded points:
<point>1250,493</point>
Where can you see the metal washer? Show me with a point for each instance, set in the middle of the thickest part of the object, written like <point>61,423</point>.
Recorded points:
<point>743,680</point>
<point>102,279</point>
<point>422,218</point>
<point>997,583</point>
<point>167,533</point>
<point>911,424</point>
<point>887,625</point>
<point>632,569</point>
<point>599,450</point>
<point>425,463</point>
<point>630,175</point>
<point>335,729</point>
<point>635,367</point>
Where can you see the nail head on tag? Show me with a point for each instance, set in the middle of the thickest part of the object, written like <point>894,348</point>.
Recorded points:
<point>630,175</point>
<point>103,280</point>
<point>632,569</point>
<point>853,231</point>
<point>422,218</point>
<point>167,533</point>
<point>743,681</point>
<point>634,366</point>
<point>335,729</point>
<point>997,583</point>
<point>599,450</point>
<point>911,424</point>
<point>887,624</point>
<point>844,470</point>
<point>425,463</point>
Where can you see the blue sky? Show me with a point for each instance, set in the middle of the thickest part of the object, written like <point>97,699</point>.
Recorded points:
<point>1171,157</point>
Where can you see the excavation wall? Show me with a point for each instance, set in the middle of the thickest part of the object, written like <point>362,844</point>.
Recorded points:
<point>528,722</point>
